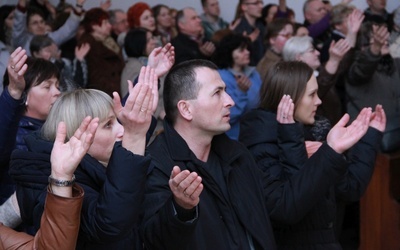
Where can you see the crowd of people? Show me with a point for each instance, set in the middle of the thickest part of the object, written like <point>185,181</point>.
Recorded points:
<point>158,128</point>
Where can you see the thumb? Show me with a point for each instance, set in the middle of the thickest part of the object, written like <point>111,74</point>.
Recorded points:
<point>175,171</point>
<point>343,121</point>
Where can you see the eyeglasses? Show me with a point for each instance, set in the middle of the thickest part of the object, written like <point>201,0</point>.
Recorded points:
<point>310,50</point>
<point>255,3</point>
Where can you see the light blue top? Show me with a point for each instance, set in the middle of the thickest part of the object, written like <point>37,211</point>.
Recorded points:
<point>244,101</point>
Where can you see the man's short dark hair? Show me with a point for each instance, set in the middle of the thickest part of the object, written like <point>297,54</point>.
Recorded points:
<point>181,84</point>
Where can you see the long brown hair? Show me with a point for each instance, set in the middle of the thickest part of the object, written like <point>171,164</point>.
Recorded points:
<point>284,78</point>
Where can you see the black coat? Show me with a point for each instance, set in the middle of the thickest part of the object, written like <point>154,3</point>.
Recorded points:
<point>249,191</point>
<point>274,152</point>
<point>186,49</point>
<point>112,200</point>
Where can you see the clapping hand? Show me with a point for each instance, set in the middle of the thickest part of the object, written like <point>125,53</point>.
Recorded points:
<point>253,35</point>
<point>243,82</point>
<point>162,59</point>
<point>137,113</point>
<point>186,187</point>
<point>81,51</point>
<point>338,49</point>
<point>207,48</point>
<point>354,22</point>
<point>378,119</point>
<point>380,35</point>
<point>340,138</point>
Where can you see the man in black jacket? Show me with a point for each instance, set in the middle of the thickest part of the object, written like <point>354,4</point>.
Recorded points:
<point>190,42</point>
<point>204,191</point>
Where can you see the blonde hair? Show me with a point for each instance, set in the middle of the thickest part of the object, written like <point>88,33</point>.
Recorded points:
<point>72,107</point>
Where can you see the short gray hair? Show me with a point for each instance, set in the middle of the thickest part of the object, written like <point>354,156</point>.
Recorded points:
<point>295,46</point>
<point>72,107</point>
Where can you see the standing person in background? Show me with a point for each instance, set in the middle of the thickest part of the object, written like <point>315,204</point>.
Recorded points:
<point>6,24</point>
<point>279,31</point>
<point>104,60</point>
<point>140,15</point>
<point>346,22</point>
<point>119,23</point>
<point>394,39</point>
<point>165,24</point>
<point>268,13</point>
<point>30,22</point>
<point>317,20</point>
<point>190,42</point>
<point>242,81</point>
<point>73,74</point>
<point>211,19</point>
<point>138,45</point>
<point>377,13</point>
<point>249,12</point>
<point>374,75</point>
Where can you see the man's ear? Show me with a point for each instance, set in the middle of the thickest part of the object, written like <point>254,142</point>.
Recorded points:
<point>180,25</point>
<point>184,108</point>
<point>298,57</point>
<point>35,54</point>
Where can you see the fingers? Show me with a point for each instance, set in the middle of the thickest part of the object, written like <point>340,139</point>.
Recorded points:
<point>90,133</point>
<point>333,43</point>
<point>185,184</point>
<point>175,170</point>
<point>61,133</point>
<point>343,121</point>
<point>167,47</point>
<point>285,110</point>
<point>17,61</point>
<point>83,127</point>
<point>141,75</point>
<point>134,92</point>
<point>155,51</point>
<point>340,48</point>
<point>364,116</point>
<point>117,103</point>
<point>381,33</point>
<point>360,125</point>
<point>380,113</point>
<point>378,119</point>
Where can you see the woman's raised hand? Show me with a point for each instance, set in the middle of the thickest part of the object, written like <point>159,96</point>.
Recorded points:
<point>285,111</point>
<point>66,156</point>
<point>16,69</point>
<point>137,113</point>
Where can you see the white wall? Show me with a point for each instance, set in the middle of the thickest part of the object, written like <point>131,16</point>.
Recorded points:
<point>228,7</point>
